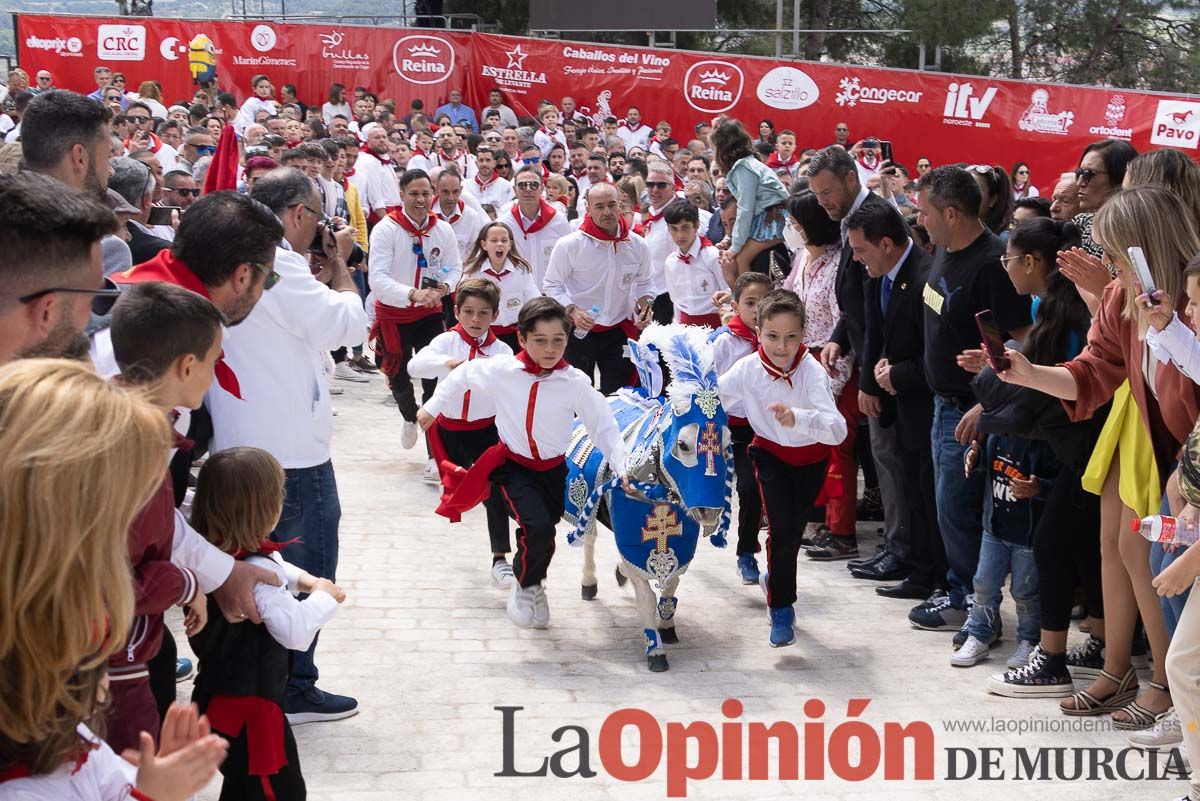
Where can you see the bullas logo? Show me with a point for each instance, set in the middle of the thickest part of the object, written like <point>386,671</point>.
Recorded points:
<point>72,46</point>
<point>334,49</point>
<point>1176,124</point>
<point>964,108</point>
<point>1114,115</point>
<point>1037,118</point>
<point>423,59</point>
<point>713,86</point>
<point>121,42</point>
<point>787,88</point>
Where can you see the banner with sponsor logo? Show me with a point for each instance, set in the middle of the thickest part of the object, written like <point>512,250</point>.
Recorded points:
<point>944,117</point>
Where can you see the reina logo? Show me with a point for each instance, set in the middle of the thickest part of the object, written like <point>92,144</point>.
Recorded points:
<point>121,42</point>
<point>1114,115</point>
<point>1176,124</point>
<point>713,86</point>
<point>964,108</point>
<point>423,59</point>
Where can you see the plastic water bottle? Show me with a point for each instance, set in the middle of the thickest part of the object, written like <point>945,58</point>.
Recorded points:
<point>592,312</point>
<point>1165,529</point>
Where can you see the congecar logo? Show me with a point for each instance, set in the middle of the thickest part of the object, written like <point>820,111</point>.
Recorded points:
<point>852,92</point>
<point>423,59</point>
<point>787,88</point>
<point>121,42</point>
<point>1176,124</point>
<point>71,46</point>
<point>713,86</point>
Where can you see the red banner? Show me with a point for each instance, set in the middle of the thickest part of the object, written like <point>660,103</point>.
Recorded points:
<point>944,117</point>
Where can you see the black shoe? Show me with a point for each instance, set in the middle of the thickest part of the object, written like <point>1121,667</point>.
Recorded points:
<point>1045,676</point>
<point>854,564</point>
<point>870,507</point>
<point>1086,661</point>
<point>904,589</point>
<point>817,540</point>
<point>835,548</point>
<point>889,568</point>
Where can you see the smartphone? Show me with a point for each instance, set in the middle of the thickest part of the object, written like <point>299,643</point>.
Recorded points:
<point>1142,269</point>
<point>993,343</point>
<point>885,150</point>
<point>429,282</point>
<point>161,215</point>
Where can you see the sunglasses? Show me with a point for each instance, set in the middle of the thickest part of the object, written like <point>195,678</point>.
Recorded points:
<point>206,150</point>
<point>138,118</point>
<point>271,278</point>
<point>102,301</point>
<point>657,184</point>
<point>186,192</point>
<point>1085,175</point>
<point>531,161</point>
<point>532,186</point>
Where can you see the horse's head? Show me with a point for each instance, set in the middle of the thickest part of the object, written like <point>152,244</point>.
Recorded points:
<point>693,425</point>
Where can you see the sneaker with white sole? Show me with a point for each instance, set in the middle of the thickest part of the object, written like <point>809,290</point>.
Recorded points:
<point>432,476</point>
<point>520,605</point>
<point>314,706</point>
<point>1086,660</point>
<point>335,390</point>
<point>940,617</point>
<point>344,372</point>
<point>541,607</point>
<point>1045,676</point>
<point>1167,733</point>
<point>502,575</point>
<point>1020,657</point>
<point>972,652</point>
<point>408,436</point>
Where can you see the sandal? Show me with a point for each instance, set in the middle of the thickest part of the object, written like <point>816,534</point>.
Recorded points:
<point>1088,705</point>
<point>1138,716</point>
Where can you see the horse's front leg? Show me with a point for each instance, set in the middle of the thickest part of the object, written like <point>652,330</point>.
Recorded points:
<point>647,606</point>
<point>666,611</point>
<point>589,588</point>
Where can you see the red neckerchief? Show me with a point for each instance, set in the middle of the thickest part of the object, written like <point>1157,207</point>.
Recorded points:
<point>165,267</point>
<point>408,225</point>
<point>687,259</point>
<point>868,166</point>
<point>578,175</point>
<point>548,133</point>
<point>641,125</point>
<point>455,218</point>
<point>776,163</point>
<point>774,371</point>
<point>416,151</point>
<point>650,218</point>
<point>384,158</point>
<point>475,345</point>
<point>679,185</point>
<point>155,143</point>
<point>442,156</point>
<point>546,212</point>
<point>497,275</point>
<point>590,228</point>
<point>346,175</point>
<point>533,368</point>
<point>739,329</point>
<point>297,143</point>
<point>481,184</point>
<point>265,548</point>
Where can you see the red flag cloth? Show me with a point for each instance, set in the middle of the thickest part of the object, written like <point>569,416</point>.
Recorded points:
<point>222,172</point>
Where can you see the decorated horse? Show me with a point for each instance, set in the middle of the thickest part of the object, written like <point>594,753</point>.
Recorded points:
<point>681,467</point>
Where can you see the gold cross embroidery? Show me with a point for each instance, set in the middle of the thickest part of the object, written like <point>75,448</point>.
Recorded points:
<point>710,446</point>
<point>661,524</point>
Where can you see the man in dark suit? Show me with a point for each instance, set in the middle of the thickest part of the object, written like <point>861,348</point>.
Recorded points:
<point>132,180</point>
<point>893,354</point>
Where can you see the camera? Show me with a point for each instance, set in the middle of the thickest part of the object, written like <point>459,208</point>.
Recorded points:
<point>333,226</point>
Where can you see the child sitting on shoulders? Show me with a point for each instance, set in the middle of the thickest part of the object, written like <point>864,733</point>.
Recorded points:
<point>761,216</point>
<point>243,673</point>
<point>693,271</point>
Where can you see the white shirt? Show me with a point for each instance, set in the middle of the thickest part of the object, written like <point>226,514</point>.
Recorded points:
<point>550,401</point>
<point>466,223</point>
<point>291,622</point>
<point>728,349</point>
<point>545,140</point>
<point>1178,345</point>
<point>418,162</point>
<point>249,110</point>
<point>635,137</point>
<point>508,117</point>
<point>496,192</point>
<point>392,268</point>
<point>278,355</point>
<point>536,247</point>
<point>103,777</point>
<point>517,287</point>
<point>331,110</point>
<point>658,239</point>
<point>14,133</point>
<point>691,286</point>
<point>747,385</point>
<point>430,362</point>
<point>376,184</point>
<point>586,272</point>
<point>583,183</point>
<point>464,160</point>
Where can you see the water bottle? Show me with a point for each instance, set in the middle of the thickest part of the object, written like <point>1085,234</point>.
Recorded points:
<point>1165,529</point>
<point>592,312</point>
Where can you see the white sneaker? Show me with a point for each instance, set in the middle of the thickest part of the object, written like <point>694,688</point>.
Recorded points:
<point>1164,734</point>
<point>972,652</point>
<point>408,437</point>
<point>502,575</point>
<point>431,472</point>
<point>335,390</point>
<point>345,372</point>
<point>1020,657</point>
<point>541,607</point>
<point>520,605</point>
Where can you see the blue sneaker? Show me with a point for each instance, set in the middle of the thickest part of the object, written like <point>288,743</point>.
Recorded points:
<point>748,568</point>
<point>782,632</point>
<point>314,705</point>
<point>183,669</point>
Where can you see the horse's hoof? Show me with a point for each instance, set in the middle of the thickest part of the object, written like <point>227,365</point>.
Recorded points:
<point>668,636</point>
<point>657,663</point>
<point>621,579</point>
<point>589,592</point>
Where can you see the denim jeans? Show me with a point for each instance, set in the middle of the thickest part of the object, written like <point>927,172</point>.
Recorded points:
<point>311,512</point>
<point>997,559</point>
<point>1160,560</point>
<point>959,500</point>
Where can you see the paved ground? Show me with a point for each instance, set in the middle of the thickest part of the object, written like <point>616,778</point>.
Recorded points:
<point>424,644</point>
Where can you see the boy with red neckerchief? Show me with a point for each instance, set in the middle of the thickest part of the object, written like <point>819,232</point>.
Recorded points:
<point>487,186</point>
<point>693,268</point>
<point>546,136</point>
<point>539,395</point>
<point>784,158</point>
<point>789,403</point>
<point>467,428</point>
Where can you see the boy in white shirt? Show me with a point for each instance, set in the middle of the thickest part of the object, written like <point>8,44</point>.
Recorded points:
<point>468,427</point>
<point>788,400</point>
<point>539,396</point>
<point>693,271</point>
<point>549,133</point>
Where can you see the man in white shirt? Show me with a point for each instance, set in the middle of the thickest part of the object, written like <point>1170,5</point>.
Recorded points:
<point>496,103</point>
<point>603,276</point>
<point>278,354</point>
<point>633,132</point>
<point>374,177</point>
<point>536,225</point>
<point>596,172</point>
<point>487,186</point>
<point>448,151</point>
<point>143,137</point>
<point>461,217</point>
<point>660,191</point>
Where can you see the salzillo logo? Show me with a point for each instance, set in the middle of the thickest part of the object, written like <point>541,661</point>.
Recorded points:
<point>1038,119</point>
<point>121,42</point>
<point>423,59</point>
<point>852,93</point>
<point>963,108</point>
<point>263,38</point>
<point>713,86</point>
<point>787,88</point>
<point>71,46</point>
<point>1176,124</point>
<point>1114,115</point>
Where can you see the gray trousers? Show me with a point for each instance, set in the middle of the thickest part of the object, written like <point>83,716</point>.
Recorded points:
<point>890,466</point>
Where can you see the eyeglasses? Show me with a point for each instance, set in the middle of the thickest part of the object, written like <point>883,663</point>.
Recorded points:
<point>206,150</point>
<point>138,118</point>
<point>271,278</point>
<point>43,77</point>
<point>320,215</point>
<point>531,161</point>
<point>102,301</point>
<point>1085,175</point>
<point>186,192</point>
<point>657,184</point>
<point>531,186</point>
<point>1004,260</point>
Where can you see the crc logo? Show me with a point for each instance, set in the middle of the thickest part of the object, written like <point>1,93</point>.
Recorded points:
<point>71,46</point>
<point>713,86</point>
<point>263,38</point>
<point>1176,124</point>
<point>964,108</point>
<point>787,88</point>
<point>121,42</point>
<point>423,59</point>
